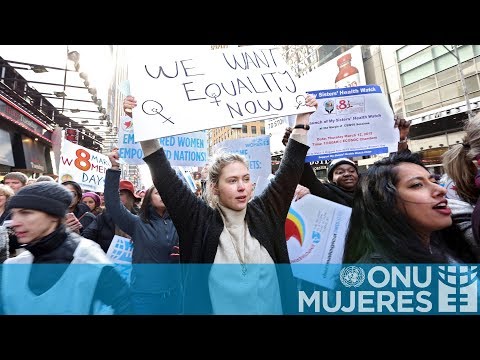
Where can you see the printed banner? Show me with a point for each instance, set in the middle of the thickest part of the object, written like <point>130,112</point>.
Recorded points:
<point>186,88</point>
<point>315,230</point>
<point>82,165</point>
<point>181,150</point>
<point>255,149</point>
<point>349,122</point>
<point>333,73</point>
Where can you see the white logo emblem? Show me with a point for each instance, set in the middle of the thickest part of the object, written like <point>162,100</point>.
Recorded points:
<point>352,276</point>
<point>457,289</point>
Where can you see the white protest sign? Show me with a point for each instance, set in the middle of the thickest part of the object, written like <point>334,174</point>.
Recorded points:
<point>130,151</point>
<point>181,150</point>
<point>262,184</point>
<point>354,121</point>
<point>184,89</point>
<point>275,128</point>
<point>315,230</point>
<point>255,149</point>
<point>82,165</point>
<point>186,177</point>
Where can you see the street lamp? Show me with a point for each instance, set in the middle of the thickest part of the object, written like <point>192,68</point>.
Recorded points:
<point>462,79</point>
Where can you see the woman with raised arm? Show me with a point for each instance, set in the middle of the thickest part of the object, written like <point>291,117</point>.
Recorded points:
<point>342,173</point>
<point>234,230</point>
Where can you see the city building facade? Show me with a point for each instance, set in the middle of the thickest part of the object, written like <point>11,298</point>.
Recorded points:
<point>437,87</point>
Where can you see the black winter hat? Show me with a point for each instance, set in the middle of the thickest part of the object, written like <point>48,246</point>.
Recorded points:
<point>337,162</point>
<point>47,196</point>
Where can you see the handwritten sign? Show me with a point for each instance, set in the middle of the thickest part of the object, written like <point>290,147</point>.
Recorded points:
<point>181,150</point>
<point>255,149</point>
<point>181,90</point>
<point>355,121</point>
<point>82,165</point>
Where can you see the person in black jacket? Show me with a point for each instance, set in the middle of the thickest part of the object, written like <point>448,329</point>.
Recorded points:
<point>60,272</point>
<point>103,228</point>
<point>343,173</point>
<point>236,230</point>
<point>79,216</point>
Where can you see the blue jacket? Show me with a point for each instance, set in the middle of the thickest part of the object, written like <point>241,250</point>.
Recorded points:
<point>152,243</point>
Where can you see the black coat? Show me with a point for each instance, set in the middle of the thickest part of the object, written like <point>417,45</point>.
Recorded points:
<point>101,230</point>
<point>326,191</point>
<point>199,226</point>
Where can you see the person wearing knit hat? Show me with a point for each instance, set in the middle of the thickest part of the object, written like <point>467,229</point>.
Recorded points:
<point>92,200</point>
<point>48,197</point>
<point>342,174</point>
<point>38,220</point>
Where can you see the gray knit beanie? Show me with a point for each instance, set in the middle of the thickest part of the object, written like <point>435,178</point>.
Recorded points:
<point>47,196</point>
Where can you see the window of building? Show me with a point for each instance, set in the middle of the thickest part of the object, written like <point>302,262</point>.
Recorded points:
<point>465,52</point>
<point>418,73</point>
<point>444,62</point>
<point>472,84</point>
<point>452,101</point>
<point>420,87</point>
<point>409,50</point>
<point>448,76</point>
<point>468,68</point>
<point>440,50</point>
<point>451,91</point>
<point>254,129</point>
<point>262,130</point>
<point>415,61</point>
<point>244,129</point>
<point>475,94</point>
<point>422,101</point>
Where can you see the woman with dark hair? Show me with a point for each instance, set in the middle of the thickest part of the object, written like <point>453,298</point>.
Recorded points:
<point>92,200</point>
<point>156,289</point>
<point>79,215</point>
<point>400,215</point>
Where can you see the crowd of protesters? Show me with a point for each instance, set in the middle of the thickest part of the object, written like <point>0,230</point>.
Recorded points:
<point>399,215</point>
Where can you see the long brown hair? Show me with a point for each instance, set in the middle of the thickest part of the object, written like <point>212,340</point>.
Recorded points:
<point>146,202</point>
<point>457,161</point>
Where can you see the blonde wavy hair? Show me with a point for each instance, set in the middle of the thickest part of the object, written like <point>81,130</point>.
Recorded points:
<point>215,167</point>
<point>457,161</point>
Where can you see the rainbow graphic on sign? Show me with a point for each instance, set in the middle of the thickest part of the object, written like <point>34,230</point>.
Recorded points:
<point>294,226</point>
